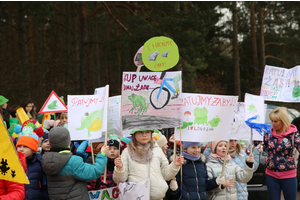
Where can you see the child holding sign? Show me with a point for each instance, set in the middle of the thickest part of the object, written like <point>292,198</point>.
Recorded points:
<point>111,155</point>
<point>66,173</point>
<point>195,181</point>
<point>143,153</point>
<point>232,171</point>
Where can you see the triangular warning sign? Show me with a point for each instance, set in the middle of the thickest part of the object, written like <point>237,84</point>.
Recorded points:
<point>10,166</point>
<point>53,105</point>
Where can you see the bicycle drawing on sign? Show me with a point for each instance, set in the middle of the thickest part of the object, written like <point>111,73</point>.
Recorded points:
<point>160,96</point>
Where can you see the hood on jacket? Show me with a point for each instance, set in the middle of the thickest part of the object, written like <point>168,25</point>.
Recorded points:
<point>53,162</point>
<point>22,158</point>
<point>292,129</point>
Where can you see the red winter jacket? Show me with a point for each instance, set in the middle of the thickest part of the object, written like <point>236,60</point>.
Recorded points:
<point>11,190</point>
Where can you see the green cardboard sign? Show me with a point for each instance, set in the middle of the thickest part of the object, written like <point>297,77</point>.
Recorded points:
<point>160,53</point>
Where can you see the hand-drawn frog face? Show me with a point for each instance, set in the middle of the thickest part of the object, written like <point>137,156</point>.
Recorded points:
<point>200,112</point>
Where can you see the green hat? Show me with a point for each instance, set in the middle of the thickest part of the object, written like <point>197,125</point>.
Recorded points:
<point>133,131</point>
<point>3,100</point>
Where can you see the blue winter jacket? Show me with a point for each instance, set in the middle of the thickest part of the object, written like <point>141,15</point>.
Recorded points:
<point>240,160</point>
<point>37,189</point>
<point>195,181</point>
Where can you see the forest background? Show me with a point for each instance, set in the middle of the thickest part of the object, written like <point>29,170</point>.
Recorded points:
<point>75,47</point>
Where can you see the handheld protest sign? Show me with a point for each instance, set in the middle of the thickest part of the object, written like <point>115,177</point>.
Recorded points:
<point>138,60</point>
<point>21,115</point>
<point>11,167</point>
<point>53,104</point>
<point>160,53</point>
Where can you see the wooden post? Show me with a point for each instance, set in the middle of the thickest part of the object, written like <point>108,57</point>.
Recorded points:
<point>174,153</point>
<point>105,171</point>
<point>92,150</point>
<point>224,163</point>
<point>180,154</point>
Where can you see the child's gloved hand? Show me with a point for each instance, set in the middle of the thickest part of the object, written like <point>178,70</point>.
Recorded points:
<point>105,149</point>
<point>118,162</point>
<point>220,180</point>
<point>260,147</point>
<point>173,185</point>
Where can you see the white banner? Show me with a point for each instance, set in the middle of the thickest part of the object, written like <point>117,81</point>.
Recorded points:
<point>87,115</point>
<point>206,117</point>
<point>281,84</point>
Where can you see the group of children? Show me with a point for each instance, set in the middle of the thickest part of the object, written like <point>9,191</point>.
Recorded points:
<point>57,172</point>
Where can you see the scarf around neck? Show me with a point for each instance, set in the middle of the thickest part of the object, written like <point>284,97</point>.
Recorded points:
<point>190,157</point>
<point>232,152</point>
<point>146,151</point>
<point>214,155</point>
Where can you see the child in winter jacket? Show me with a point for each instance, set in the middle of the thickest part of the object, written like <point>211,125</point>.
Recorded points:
<point>232,172</point>
<point>239,156</point>
<point>28,145</point>
<point>195,181</point>
<point>66,173</point>
<point>111,155</point>
<point>11,190</point>
<point>143,153</point>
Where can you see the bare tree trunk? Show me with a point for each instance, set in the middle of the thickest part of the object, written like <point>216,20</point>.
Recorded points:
<point>76,66</point>
<point>236,66</point>
<point>97,52</point>
<point>254,51</point>
<point>84,47</point>
<point>261,42</point>
<point>23,52</point>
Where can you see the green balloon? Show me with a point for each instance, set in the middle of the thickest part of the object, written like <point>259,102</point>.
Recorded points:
<point>160,53</point>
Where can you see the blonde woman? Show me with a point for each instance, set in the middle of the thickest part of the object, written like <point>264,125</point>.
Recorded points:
<point>281,169</point>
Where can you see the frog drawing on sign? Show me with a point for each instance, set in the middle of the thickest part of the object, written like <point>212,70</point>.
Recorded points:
<point>153,56</point>
<point>52,105</point>
<point>140,101</point>
<point>92,121</point>
<point>200,116</point>
<point>165,54</point>
<point>215,121</point>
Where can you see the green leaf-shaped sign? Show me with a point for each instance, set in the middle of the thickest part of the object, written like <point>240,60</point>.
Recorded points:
<point>160,53</point>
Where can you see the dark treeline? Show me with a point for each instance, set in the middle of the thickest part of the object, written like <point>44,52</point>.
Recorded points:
<point>75,47</point>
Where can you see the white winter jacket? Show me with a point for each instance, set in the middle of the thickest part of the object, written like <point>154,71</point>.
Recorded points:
<point>232,170</point>
<point>160,171</point>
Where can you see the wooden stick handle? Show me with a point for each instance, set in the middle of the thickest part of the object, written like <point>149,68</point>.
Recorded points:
<point>224,163</point>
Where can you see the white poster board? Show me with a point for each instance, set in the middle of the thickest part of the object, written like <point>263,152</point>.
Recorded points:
<point>281,84</point>
<point>206,117</point>
<point>240,130</point>
<point>151,100</point>
<point>87,115</point>
<point>254,106</point>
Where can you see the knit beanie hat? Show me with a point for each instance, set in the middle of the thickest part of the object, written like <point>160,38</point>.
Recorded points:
<point>37,128</point>
<point>3,100</point>
<point>189,144</point>
<point>29,139</point>
<point>215,144</point>
<point>160,139</point>
<point>59,138</point>
<point>46,138</point>
<point>114,143</point>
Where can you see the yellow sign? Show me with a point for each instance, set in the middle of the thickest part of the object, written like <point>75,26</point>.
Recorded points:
<point>10,166</point>
<point>160,53</point>
<point>21,115</point>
